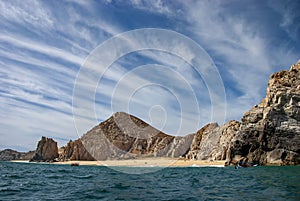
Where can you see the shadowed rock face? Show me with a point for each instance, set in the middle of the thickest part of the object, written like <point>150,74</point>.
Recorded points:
<point>270,131</point>
<point>46,150</point>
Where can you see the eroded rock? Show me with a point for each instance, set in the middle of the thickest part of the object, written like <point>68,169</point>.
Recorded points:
<point>46,150</point>
<point>270,131</point>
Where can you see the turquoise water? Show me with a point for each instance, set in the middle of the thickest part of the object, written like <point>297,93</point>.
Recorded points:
<point>63,182</point>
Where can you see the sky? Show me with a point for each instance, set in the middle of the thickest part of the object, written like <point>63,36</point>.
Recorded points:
<point>66,66</point>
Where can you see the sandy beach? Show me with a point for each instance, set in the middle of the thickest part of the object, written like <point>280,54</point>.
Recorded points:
<point>146,162</point>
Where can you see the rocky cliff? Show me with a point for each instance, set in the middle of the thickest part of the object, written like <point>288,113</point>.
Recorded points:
<point>268,134</point>
<point>270,131</point>
<point>46,150</point>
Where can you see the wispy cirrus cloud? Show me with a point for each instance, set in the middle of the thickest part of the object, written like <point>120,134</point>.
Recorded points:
<point>37,47</point>
<point>245,46</point>
<point>242,52</point>
<point>38,67</point>
<point>22,12</point>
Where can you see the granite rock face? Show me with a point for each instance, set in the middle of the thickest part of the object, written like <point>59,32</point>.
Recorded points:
<point>46,150</point>
<point>270,131</point>
<point>9,154</point>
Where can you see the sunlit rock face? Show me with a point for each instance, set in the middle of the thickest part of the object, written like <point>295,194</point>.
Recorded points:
<point>74,150</point>
<point>270,131</point>
<point>124,136</point>
<point>212,142</point>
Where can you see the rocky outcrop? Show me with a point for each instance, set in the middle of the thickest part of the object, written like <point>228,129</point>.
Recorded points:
<point>179,147</point>
<point>268,134</point>
<point>74,150</point>
<point>46,150</point>
<point>9,154</point>
<point>270,131</point>
<point>212,142</point>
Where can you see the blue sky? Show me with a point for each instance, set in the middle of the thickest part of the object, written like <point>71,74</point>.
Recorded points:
<point>44,44</point>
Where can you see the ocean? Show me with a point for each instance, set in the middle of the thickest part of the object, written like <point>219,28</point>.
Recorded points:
<point>24,181</point>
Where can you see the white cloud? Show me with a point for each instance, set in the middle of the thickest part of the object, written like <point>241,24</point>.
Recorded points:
<point>238,44</point>
<point>32,13</point>
<point>42,48</point>
<point>158,40</point>
<point>157,6</point>
<point>22,124</point>
<point>289,12</point>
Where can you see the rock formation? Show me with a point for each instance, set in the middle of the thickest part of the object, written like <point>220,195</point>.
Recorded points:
<point>46,150</point>
<point>74,150</point>
<point>268,134</point>
<point>270,131</point>
<point>212,142</point>
<point>9,154</point>
<point>125,136</point>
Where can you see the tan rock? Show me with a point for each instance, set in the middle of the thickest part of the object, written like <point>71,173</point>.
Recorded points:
<point>46,150</point>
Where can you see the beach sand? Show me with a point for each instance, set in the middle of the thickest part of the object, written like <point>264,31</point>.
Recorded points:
<point>146,162</point>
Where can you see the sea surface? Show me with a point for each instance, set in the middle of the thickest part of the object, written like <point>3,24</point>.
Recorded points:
<point>24,181</point>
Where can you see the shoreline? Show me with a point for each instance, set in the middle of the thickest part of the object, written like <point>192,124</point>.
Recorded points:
<point>142,162</point>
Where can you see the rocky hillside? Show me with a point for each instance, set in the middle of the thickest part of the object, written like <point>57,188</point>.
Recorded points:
<point>9,154</point>
<point>125,136</point>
